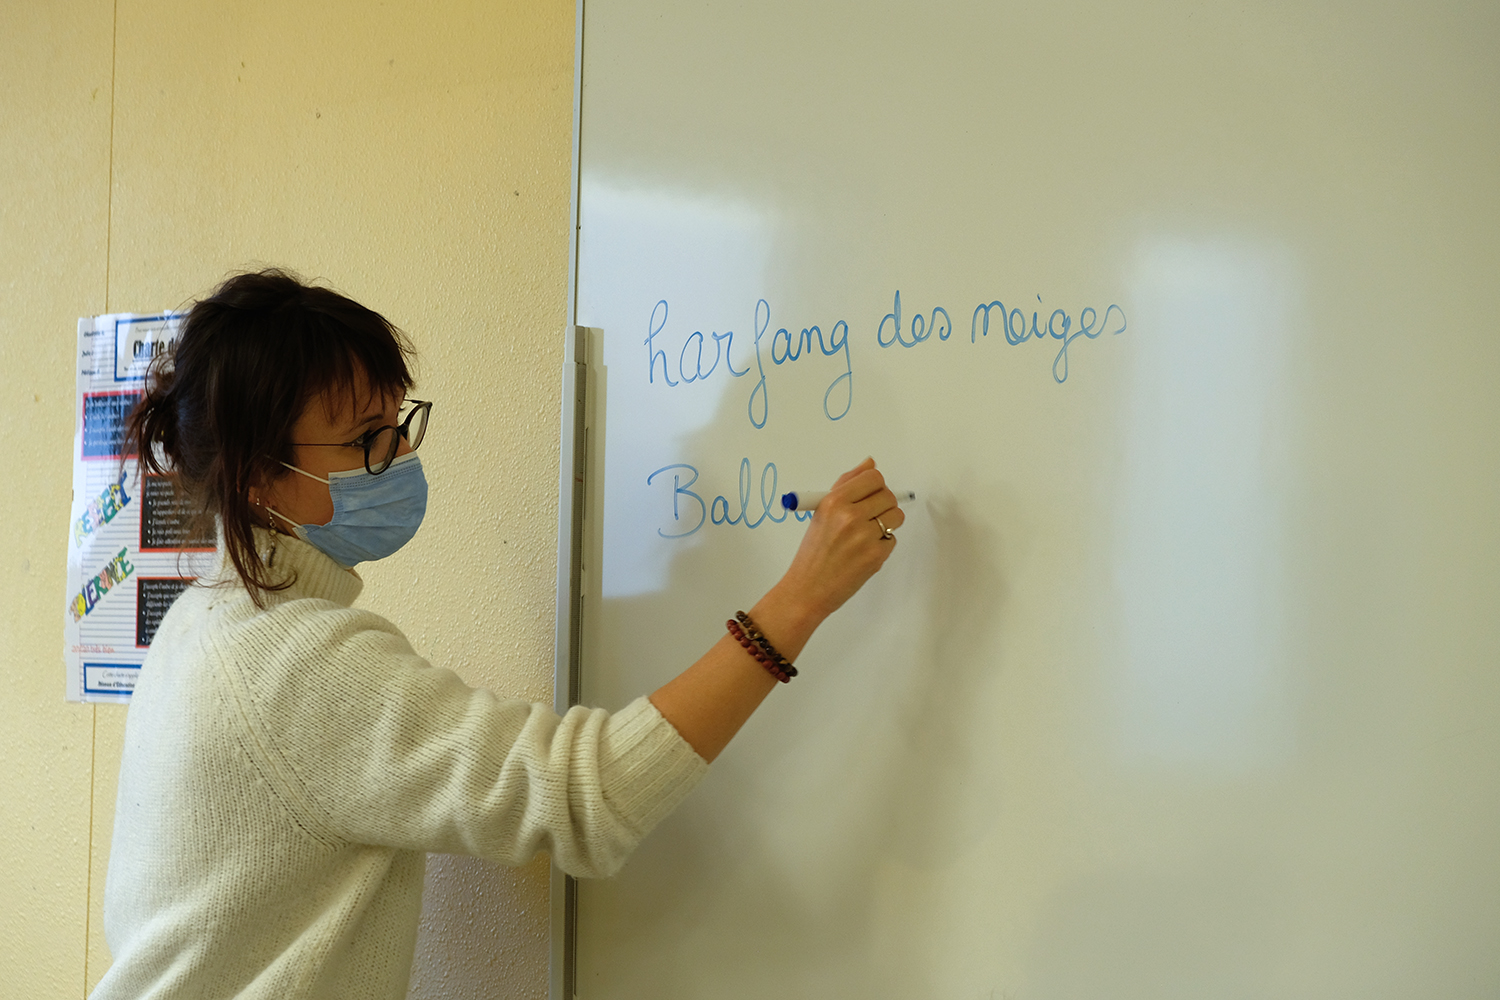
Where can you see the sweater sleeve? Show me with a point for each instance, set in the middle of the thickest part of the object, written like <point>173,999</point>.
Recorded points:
<point>370,743</point>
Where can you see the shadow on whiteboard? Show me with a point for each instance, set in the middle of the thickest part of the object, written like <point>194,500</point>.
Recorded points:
<point>883,761</point>
<point>1200,560</point>
<point>942,788</point>
<point>711,249</point>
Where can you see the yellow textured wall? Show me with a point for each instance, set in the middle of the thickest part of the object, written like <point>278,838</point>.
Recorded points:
<point>416,156</point>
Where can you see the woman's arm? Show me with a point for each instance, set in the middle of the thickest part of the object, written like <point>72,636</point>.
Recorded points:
<point>843,547</point>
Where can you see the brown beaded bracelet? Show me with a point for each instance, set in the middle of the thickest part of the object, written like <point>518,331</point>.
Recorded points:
<point>760,640</point>
<point>773,657</point>
<point>758,646</point>
<point>772,667</point>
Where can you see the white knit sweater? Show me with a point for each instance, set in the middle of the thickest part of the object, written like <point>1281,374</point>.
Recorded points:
<point>286,770</point>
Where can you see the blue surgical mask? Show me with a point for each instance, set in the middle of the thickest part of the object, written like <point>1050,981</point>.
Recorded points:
<point>373,516</point>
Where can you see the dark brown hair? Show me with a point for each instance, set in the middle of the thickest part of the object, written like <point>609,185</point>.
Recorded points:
<point>218,410</point>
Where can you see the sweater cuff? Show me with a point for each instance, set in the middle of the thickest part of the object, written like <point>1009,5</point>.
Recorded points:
<point>646,767</point>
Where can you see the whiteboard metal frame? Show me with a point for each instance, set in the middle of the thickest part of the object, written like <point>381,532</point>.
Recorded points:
<point>570,493</point>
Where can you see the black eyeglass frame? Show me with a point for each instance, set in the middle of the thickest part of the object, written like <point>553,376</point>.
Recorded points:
<point>368,437</point>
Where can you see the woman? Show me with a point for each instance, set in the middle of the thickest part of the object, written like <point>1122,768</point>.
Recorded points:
<point>289,759</point>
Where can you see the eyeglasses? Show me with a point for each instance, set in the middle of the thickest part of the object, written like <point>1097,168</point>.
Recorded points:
<point>381,444</point>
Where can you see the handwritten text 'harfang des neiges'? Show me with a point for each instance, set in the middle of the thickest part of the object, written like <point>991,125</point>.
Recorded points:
<point>672,362</point>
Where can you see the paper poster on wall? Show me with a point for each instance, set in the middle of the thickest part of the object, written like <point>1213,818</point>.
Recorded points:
<point>131,547</point>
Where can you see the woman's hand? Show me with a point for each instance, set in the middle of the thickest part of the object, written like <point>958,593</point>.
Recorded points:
<point>843,548</point>
<point>845,543</point>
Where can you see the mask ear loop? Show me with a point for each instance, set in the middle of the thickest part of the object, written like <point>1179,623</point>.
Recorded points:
<point>269,510</point>
<point>272,510</point>
<point>309,475</point>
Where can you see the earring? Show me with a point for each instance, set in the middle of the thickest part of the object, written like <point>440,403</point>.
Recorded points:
<point>271,527</point>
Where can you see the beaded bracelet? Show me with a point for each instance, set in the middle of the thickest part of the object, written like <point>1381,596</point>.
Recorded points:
<point>760,640</point>
<point>772,667</point>
<point>758,646</point>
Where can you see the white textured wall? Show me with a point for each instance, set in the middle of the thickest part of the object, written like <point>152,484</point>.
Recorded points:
<point>416,156</point>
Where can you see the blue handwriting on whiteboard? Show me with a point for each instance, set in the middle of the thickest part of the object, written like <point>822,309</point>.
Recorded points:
<point>784,348</point>
<point>1059,326</point>
<point>1016,332</point>
<point>921,327</point>
<point>718,511</point>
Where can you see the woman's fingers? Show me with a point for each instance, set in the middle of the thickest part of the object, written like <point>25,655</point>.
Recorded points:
<point>891,518</point>
<point>864,466</point>
<point>877,503</point>
<point>879,507</point>
<point>861,483</point>
<point>845,545</point>
<point>864,487</point>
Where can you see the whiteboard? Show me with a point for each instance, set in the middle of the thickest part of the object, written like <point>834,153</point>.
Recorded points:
<point>1181,321</point>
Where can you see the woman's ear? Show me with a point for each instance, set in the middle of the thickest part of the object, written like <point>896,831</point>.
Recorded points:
<point>262,496</point>
<point>256,489</point>
<point>261,483</point>
<point>261,501</point>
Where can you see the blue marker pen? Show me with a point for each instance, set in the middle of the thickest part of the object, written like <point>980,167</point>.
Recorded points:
<point>808,499</point>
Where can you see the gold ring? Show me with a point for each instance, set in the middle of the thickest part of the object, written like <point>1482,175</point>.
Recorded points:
<point>884,531</point>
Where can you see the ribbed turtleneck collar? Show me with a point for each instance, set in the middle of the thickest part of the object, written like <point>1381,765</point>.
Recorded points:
<point>312,573</point>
